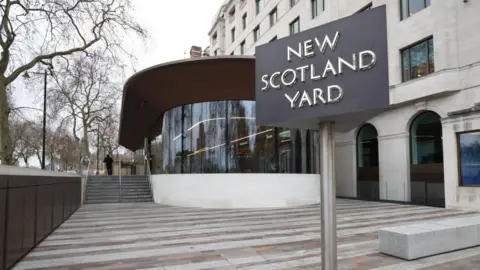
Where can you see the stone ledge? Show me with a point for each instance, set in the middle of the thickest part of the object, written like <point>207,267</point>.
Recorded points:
<point>419,240</point>
<point>13,170</point>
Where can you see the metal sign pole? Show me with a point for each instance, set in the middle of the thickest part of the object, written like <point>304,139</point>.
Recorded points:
<point>328,196</point>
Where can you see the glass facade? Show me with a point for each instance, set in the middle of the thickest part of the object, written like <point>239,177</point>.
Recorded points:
<point>469,147</point>
<point>223,137</point>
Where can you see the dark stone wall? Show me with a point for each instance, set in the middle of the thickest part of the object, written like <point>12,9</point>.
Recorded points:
<point>31,207</point>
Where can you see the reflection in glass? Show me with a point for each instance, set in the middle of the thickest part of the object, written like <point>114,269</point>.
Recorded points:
<point>204,139</point>
<point>295,26</point>
<point>418,60</point>
<point>416,5</point>
<point>410,7</point>
<point>166,143</point>
<point>252,147</point>
<point>426,139</point>
<point>367,145</point>
<point>404,8</point>
<point>431,64</point>
<point>470,158</point>
<point>406,65</point>
<point>156,153</point>
<point>222,136</point>
<point>285,149</point>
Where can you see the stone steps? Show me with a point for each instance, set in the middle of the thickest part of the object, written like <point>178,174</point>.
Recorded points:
<point>107,189</point>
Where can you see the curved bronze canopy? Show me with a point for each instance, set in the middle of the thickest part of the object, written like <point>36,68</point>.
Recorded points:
<point>148,94</point>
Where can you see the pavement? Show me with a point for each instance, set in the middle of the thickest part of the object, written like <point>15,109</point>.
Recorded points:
<point>151,236</point>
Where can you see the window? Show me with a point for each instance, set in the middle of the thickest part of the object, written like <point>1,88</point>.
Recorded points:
<point>295,26</point>
<point>233,34</point>
<point>293,2</point>
<point>216,52</point>
<point>232,12</point>
<point>426,139</point>
<point>256,33</point>
<point>231,53</point>
<point>410,7</point>
<point>258,6</point>
<point>418,60</point>
<point>317,7</point>
<point>469,150</point>
<point>273,39</point>
<point>367,147</point>
<point>242,47</point>
<point>244,21</point>
<point>273,17</point>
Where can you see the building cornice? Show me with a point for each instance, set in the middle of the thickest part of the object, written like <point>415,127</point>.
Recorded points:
<point>218,17</point>
<point>226,6</point>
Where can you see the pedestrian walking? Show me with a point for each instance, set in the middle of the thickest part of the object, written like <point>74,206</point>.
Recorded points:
<point>109,163</point>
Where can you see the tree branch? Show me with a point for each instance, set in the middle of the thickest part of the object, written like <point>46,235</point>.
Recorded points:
<point>37,59</point>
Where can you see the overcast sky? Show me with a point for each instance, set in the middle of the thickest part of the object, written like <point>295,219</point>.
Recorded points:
<point>174,26</point>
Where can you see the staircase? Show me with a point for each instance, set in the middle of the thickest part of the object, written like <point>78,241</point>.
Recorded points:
<point>109,189</point>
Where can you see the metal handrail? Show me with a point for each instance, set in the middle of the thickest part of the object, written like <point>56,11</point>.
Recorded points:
<point>149,172</point>
<point>120,179</point>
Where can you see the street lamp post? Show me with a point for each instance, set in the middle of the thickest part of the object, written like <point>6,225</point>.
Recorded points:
<point>98,146</point>
<point>44,124</point>
<point>44,127</point>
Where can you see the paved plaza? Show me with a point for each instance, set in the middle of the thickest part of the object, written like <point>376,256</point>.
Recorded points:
<point>150,236</point>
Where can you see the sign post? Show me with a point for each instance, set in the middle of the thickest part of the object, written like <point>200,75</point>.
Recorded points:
<point>328,196</point>
<point>331,78</point>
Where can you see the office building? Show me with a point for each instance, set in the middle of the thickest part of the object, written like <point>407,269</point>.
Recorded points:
<point>423,149</point>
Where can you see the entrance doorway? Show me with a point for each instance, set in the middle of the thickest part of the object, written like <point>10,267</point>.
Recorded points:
<point>367,163</point>
<point>426,159</point>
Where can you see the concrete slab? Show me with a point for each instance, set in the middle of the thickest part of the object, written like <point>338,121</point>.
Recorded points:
<point>151,236</point>
<point>415,241</point>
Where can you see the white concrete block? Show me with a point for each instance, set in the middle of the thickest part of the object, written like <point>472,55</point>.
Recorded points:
<point>430,238</point>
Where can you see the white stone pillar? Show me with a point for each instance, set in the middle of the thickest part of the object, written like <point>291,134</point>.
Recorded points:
<point>346,169</point>
<point>394,167</point>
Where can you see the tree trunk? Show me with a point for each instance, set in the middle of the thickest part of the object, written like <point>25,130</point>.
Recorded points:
<point>6,149</point>
<point>86,150</point>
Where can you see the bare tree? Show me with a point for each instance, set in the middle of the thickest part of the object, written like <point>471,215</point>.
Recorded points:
<point>67,155</point>
<point>60,148</point>
<point>88,92</point>
<point>26,140</point>
<point>109,134</point>
<point>34,32</point>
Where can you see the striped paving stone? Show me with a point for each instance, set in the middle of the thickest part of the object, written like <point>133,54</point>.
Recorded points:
<point>150,236</point>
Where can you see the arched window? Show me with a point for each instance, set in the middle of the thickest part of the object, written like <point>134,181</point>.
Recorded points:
<point>367,146</point>
<point>426,139</point>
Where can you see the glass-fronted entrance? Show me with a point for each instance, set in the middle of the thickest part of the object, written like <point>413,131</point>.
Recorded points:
<point>426,152</point>
<point>367,163</point>
<point>223,137</point>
